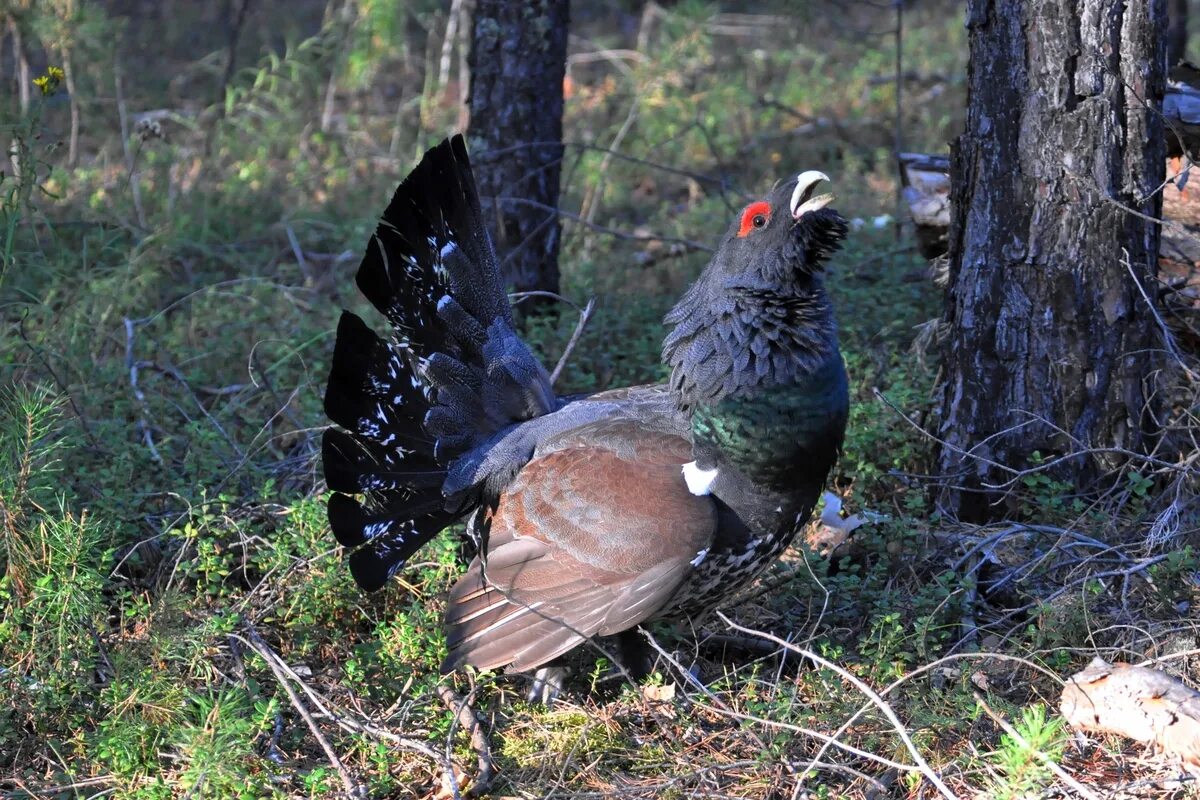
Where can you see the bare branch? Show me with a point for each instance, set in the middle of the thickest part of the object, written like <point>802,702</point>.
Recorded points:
<point>466,718</point>
<point>922,766</point>
<point>584,316</point>
<point>353,789</point>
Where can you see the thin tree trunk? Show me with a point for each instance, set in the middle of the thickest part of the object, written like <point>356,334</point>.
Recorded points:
<point>21,65</point>
<point>135,187</point>
<point>517,63</point>
<point>233,23</point>
<point>452,22</point>
<point>233,26</point>
<point>1177,32</point>
<point>397,122</point>
<point>68,41</point>
<point>329,106</point>
<point>464,68</point>
<point>1052,349</point>
<point>345,15</point>
<point>73,100</point>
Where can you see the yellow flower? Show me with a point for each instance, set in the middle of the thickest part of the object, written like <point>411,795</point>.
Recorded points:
<point>48,83</point>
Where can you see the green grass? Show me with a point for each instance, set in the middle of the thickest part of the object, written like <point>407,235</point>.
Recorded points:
<point>149,518</point>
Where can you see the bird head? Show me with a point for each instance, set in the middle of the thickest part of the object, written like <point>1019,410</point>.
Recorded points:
<point>784,236</point>
<point>758,312</point>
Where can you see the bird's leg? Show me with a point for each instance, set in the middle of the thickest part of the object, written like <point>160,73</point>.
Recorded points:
<point>638,657</point>
<point>634,654</point>
<point>547,684</point>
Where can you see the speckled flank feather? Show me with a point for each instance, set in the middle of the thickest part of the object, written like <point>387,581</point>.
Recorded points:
<point>600,513</point>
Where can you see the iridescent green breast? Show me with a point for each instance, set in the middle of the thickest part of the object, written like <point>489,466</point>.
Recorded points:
<point>783,436</point>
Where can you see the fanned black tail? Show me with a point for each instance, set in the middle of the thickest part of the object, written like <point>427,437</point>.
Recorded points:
<point>455,373</point>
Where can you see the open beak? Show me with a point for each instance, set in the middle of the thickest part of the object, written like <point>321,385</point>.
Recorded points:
<point>804,197</point>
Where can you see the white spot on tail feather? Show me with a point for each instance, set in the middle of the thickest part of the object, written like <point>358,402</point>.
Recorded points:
<point>700,556</point>
<point>373,529</point>
<point>698,480</point>
<point>447,249</point>
<point>445,301</point>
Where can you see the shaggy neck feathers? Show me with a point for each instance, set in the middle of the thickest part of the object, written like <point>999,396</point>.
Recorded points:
<point>750,337</point>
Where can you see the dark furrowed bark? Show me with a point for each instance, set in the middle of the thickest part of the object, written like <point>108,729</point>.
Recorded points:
<point>1053,349</point>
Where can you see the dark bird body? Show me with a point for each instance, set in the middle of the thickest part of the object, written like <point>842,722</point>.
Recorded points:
<point>593,514</point>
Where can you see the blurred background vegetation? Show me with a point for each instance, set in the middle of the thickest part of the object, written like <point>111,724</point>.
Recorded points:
<point>187,190</point>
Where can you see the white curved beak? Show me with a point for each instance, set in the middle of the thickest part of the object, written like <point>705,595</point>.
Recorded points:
<point>803,200</point>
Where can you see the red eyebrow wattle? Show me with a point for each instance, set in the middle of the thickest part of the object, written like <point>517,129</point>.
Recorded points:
<point>753,210</point>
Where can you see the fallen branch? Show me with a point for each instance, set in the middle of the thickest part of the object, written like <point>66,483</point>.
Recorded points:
<point>352,725</point>
<point>256,642</point>
<point>921,765</point>
<point>930,667</point>
<point>467,720</point>
<point>142,423</point>
<point>1139,703</point>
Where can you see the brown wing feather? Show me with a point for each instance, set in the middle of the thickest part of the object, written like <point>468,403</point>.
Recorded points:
<point>590,539</point>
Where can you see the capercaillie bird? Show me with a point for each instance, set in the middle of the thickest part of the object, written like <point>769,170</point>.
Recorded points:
<point>592,514</point>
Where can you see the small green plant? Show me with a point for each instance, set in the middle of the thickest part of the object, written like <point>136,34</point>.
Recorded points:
<point>216,744</point>
<point>548,737</point>
<point>29,416</point>
<point>53,559</point>
<point>1042,495</point>
<point>1020,762</point>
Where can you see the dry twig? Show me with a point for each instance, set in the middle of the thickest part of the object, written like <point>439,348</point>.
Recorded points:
<point>353,725</point>
<point>467,719</point>
<point>1062,774</point>
<point>584,317</point>
<point>143,424</point>
<point>921,765</point>
<point>256,643</point>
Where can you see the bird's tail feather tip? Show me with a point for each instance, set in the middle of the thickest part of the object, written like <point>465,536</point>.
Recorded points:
<point>454,373</point>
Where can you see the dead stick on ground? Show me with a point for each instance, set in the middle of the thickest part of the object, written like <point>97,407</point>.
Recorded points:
<point>1038,754</point>
<point>352,725</point>
<point>922,766</point>
<point>263,649</point>
<point>138,395</point>
<point>930,667</point>
<point>469,721</point>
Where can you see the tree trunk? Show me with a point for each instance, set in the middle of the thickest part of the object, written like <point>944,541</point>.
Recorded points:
<point>1177,32</point>
<point>21,65</point>
<point>517,62</point>
<point>1052,350</point>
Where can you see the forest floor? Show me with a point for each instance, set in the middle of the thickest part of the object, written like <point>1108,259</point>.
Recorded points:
<point>175,618</point>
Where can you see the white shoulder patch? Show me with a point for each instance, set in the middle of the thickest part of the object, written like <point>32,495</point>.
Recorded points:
<point>698,480</point>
